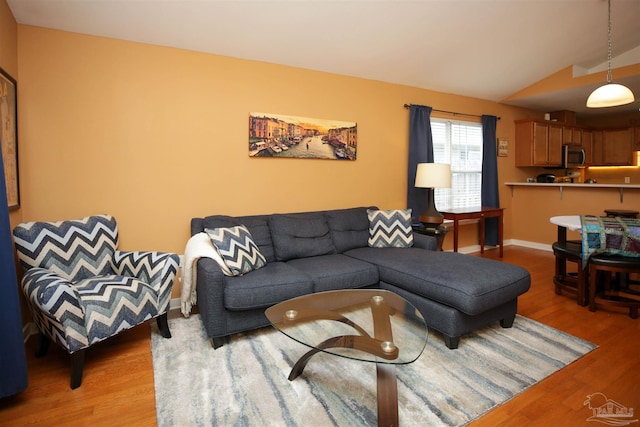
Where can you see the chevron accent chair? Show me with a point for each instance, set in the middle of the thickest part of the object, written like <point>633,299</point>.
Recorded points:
<point>82,290</point>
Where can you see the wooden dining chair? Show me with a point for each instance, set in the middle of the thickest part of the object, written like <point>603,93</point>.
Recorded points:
<point>610,283</point>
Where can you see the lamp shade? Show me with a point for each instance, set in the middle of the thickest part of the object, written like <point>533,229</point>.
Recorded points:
<point>610,95</point>
<point>433,175</point>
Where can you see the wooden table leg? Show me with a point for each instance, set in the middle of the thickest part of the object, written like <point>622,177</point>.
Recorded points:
<point>562,234</point>
<point>482,220</point>
<point>500,233</point>
<point>455,235</point>
<point>386,373</point>
<point>387,395</point>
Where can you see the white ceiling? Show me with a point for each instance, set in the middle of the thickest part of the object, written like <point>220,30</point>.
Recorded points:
<point>488,49</point>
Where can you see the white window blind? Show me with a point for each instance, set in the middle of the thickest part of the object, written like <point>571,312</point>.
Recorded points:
<point>460,145</point>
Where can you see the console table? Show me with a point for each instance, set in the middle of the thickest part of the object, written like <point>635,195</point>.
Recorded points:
<point>480,213</point>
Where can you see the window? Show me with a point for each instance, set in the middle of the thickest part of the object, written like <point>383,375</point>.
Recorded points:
<point>460,145</point>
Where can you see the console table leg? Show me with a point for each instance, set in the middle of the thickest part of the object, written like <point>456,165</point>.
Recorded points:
<point>482,220</point>
<point>455,235</point>
<point>501,233</point>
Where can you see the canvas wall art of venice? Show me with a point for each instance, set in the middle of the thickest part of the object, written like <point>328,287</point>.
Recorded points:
<point>278,135</point>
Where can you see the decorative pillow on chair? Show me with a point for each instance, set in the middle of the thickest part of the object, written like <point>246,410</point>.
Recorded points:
<point>237,248</point>
<point>390,229</point>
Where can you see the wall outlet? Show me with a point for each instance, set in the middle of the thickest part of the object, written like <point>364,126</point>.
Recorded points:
<point>627,179</point>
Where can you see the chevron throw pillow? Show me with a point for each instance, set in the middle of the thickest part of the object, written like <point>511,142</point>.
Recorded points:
<point>237,248</point>
<point>390,229</point>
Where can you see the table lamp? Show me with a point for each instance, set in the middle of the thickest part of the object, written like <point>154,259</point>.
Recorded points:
<point>432,175</point>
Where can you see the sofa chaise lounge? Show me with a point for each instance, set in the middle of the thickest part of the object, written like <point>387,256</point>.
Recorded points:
<point>329,250</point>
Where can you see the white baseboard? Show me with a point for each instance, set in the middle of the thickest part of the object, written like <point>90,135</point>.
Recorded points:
<point>532,245</point>
<point>175,304</point>
<point>510,242</point>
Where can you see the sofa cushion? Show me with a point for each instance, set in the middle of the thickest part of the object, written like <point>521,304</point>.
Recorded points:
<point>471,284</point>
<point>390,229</point>
<point>300,235</point>
<point>257,225</point>
<point>274,283</point>
<point>236,247</point>
<point>332,272</point>
<point>349,228</point>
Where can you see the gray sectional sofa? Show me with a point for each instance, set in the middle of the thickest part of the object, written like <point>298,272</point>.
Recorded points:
<point>328,250</point>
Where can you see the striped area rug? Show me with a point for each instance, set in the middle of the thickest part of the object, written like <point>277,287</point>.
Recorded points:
<point>244,383</point>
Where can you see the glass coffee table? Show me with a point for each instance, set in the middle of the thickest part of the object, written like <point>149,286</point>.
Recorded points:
<point>369,325</point>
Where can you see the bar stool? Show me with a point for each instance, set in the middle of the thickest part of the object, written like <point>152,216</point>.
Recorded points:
<point>622,213</point>
<point>618,293</point>
<point>574,283</point>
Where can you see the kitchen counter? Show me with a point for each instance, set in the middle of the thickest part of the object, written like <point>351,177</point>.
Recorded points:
<point>570,184</point>
<point>560,185</point>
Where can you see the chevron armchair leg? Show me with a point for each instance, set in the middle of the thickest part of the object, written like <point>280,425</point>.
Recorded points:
<point>43,345</point>
<point>163,325</point>
<point>77,365</point>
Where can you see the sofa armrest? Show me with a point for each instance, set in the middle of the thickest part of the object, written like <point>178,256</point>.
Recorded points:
<point>425,242</point>
<point>210,283</point>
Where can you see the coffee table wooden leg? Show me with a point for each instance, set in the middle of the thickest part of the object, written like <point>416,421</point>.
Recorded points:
<point>387,382</point>
<point>387,395</point>
<point>381,346</point>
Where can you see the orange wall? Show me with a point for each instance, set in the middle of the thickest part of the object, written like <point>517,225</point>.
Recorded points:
<point>156,136</point>
<point>564,79</point>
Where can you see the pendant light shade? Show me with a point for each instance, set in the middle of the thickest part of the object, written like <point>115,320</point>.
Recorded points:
<point>611,94</point>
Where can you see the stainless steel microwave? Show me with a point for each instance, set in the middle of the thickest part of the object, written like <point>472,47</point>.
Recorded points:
<point>573,156</point>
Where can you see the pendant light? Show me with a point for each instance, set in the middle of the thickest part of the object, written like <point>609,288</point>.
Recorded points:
<point>611,94</point>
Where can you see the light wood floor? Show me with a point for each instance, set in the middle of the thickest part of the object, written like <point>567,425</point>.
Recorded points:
<point>118,388</point>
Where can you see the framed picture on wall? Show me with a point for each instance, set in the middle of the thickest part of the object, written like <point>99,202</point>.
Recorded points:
<point>9,136</point>
<point>279,135</point>
<point>503,147</point>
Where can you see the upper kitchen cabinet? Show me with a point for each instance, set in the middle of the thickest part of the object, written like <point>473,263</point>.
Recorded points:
<point>616,147</point>
<point>571,135</point>
<point>538,143</point>
<point>587,145</point>
<point>636,139</point>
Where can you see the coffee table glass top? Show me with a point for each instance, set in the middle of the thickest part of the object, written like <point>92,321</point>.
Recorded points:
<point>364,324</point>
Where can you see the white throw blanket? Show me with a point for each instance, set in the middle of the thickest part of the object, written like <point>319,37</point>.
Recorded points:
<point>198,246</point>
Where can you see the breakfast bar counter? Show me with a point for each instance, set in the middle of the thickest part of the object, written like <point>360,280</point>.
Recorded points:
<point>569,184</point>
<point>561,185</point>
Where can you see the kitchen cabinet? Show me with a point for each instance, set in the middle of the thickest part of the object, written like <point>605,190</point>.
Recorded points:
<point>587,145</point>
<point>538,143</point>
<point>617,147</point>
<point>597,148</point>
<point>571,135</point>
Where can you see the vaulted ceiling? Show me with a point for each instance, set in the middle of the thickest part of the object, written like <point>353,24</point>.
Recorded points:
<point>488,49</point>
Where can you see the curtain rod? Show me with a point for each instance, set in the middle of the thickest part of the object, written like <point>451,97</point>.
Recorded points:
<point>445,111</point>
